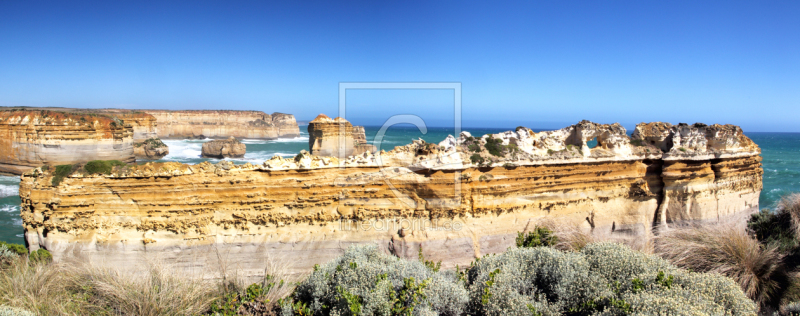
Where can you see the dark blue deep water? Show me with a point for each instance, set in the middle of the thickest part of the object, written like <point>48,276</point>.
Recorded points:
<point>781,153</point>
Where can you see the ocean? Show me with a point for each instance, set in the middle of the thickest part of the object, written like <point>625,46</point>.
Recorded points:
<point>780,152</point>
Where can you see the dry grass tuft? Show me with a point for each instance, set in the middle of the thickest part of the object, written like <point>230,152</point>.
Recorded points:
<point>726,249</point>
<point>791,205</point>
<point>153,290</point>
<point>572,237</point>
<point>38,287</point>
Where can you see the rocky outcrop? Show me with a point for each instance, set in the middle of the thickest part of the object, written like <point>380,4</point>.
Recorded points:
<point>229,148</point>
<point>146,144</point>
<point>224,124</point>
<point>31,138</point>
<point>152,148</point>
<point>336,137</point>
<point>460,199</point>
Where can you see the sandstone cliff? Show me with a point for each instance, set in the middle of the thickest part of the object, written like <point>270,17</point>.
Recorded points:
<point>229,148</point>
<point>33,138</point>
<point>459,199</point>
<point>224,124</point>
<point>146,143</point>
<point>336,137</point>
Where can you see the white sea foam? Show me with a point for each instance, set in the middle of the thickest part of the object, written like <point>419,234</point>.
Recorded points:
<point>10,208</point>
<point>183,149</point>
<point>7,190</point>
<point>298,139</point>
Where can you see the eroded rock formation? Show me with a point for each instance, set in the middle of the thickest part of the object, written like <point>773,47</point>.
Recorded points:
<point>146,143</point>
<point>336,137</point>
<point>229,148</point>
<point>459,199</point>
<point>224,124</point>
<point>31,138</point>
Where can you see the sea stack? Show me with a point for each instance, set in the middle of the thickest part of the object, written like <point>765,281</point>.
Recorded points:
<point>336,138</point>
<point>229,148</point>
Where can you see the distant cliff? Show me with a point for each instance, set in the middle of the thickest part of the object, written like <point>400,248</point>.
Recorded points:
<point>224,124</point>
<point>31,138</point>
<point>460,199</point>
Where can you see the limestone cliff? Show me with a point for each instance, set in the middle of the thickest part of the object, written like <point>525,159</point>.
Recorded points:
<point>146,144</point>
<point>460,199</point>
<point>224,124</point>
<point>336,137</point>
<point>31,138</point>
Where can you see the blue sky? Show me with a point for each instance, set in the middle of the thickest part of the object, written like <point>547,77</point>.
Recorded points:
<point>539,63</point>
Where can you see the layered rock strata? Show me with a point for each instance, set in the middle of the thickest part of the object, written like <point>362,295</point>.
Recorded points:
<point>336,137</point>
<point>459,199</point>
<point>229,148</point>
<point>224,124</point>
<point>33,138</point>
<point>146,144</point>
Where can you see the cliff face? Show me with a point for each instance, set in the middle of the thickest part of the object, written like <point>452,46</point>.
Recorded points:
<point>33,138</point>
<point>459,199</point>
<point>146,143</point>
<point>336,137</point>
<point>224,124</point>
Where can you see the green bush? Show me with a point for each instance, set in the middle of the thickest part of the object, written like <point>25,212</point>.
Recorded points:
<point>476,159</point>
<point>540,236</point>
<point>773,228</point>
<point>151,143</point>
<point>18,249</point>
<point>602,279</point>
<point>62,171</point>
<point>102,166</point>
<point>41,255</point>
<point>366,281</point>
<point>495,146</point>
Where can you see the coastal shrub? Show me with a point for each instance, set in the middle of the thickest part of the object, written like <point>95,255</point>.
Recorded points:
<point>7,255</point>
<point>365,281</point>
<point>729,250</point>
<point>495,146</point>
<point>151,143</point>
<point>12,311</point>
<point>41,255</point>
<point>540,236</point>
<point>601,279</point>
<point>61,172</point>
<point>102,166</point>
<point>476,159</point>
<point>17,249</point>
<point>773,228</point>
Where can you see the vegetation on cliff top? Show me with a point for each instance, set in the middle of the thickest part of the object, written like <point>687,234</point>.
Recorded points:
<point>151,143</point>
<point>102,118</point>
<point>92,167</point>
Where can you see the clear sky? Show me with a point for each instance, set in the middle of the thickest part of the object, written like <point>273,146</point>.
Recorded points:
<point>533,63</point>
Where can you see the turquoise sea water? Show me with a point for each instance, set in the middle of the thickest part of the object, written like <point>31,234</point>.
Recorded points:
<point>780,151</point>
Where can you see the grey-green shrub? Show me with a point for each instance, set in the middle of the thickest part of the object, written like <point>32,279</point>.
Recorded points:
<point>6,254</point>
<point>13,311</point>
<point>365,281</point>
<point>602,279</point>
